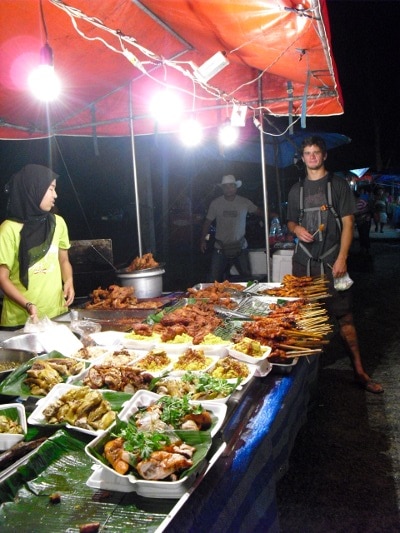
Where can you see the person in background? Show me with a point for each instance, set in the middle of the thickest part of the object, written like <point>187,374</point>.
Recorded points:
<point>35,273</point>
<point>363,217</point>
<point>380,210</point>
<point>229,211</point>
<point>324,236</point>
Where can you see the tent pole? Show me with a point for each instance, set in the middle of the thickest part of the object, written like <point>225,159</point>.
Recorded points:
<point>135,181</point>
<point>265,190</point>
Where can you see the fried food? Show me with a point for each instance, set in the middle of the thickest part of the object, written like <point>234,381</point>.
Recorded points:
<point>115,297</point>
<point>143,262</point>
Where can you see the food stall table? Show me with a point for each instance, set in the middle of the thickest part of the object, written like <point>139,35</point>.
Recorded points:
<point>238,493</point>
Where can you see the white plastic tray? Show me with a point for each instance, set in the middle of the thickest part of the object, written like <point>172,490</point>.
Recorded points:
<point>37,417</point>
<point>7,440</point>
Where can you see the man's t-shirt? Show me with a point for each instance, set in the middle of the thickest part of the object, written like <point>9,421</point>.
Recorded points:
<point>230,217</point>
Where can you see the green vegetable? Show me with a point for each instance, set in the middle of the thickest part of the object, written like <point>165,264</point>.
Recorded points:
<point>210,385</point>
<point>174,409</point>
<point>139,443</point>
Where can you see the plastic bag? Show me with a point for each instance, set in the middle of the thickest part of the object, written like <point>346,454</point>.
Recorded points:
<point>36,326</point>
<point>343,283</point>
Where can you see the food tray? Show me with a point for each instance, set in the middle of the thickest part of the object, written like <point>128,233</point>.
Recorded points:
<point>143,398</point>
<point>284,368</point>
<point>16,412</point>
<point>248,358</point>
<point>37,418</point>
<point>14,384</point>
<point>178,372</point>
<point>251,371</point>
<point>178,380</point>
<point>94,353</point>
<point>155,488</point>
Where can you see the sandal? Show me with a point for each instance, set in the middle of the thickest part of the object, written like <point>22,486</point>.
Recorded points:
<point>371,386</point>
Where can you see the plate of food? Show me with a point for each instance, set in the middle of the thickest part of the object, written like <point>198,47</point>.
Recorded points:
<point>199,386</point>
<point>89,353</point>
<point>140,341</point>
<point>13,426</point>
<point>148,411</point>
<point>157,361</point>
<point>86,410</point>
<point>120,378</point>
<point>230,368</point>
<point>193,359</point>
<point>157,464</point>
<point>249,350</point>
<point>39,375</point>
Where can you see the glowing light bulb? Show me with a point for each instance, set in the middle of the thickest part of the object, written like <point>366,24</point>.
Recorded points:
<point>166,107</point>
<point>44,83</point>
<point>191,132</point>
<point>228,134</point>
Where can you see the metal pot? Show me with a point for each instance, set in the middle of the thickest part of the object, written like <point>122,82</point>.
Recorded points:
<point>147,283</point>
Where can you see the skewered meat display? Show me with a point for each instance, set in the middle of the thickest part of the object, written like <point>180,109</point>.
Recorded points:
<point>300,287</point>
<point>296,328</point>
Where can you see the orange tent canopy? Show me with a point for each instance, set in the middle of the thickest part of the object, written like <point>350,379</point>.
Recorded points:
<point>279,55</point>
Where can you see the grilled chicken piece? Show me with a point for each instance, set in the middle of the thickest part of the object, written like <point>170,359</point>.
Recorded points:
<point>162,464</point>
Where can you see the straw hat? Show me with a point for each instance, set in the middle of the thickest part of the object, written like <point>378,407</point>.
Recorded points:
<point>228,179</point>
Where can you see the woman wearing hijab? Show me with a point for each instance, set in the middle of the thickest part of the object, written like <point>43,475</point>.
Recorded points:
<point>35,272</point>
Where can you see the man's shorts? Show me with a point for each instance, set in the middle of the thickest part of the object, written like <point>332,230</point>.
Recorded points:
<point>340,303</point>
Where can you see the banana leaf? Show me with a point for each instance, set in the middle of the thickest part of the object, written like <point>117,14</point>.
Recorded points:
<point>201,440</point>
<point>60,466</point>
<point>14,384</point>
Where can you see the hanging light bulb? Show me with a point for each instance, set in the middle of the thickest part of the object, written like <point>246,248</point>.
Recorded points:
<point>166,107</point>
<point>228,134</point>
<point>43,81</point>
<point>191,132</point>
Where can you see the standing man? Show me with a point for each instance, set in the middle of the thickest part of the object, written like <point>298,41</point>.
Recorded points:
<point>321,215</point>
<point>229,211</point>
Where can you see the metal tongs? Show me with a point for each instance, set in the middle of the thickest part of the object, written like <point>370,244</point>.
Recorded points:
<point>247,292</point>
<point>229,314</point>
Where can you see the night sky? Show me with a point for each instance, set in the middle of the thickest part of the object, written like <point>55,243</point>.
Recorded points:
<point>365,40</point>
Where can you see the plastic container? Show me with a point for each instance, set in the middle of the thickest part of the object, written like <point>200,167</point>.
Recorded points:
<point>258,262</point>
<point>7,440</point>
<point>281,264</point>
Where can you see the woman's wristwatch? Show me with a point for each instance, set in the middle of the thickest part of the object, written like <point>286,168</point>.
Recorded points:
<point>28,305</point>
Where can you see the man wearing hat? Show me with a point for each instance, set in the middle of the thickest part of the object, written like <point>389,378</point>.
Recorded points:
<point>229,211</point>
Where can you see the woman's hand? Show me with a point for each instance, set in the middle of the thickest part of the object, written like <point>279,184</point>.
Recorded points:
<point>69,292</point>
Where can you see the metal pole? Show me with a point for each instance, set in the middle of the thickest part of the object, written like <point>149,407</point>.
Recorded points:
<point>265,190</point>
<point>135,181</point>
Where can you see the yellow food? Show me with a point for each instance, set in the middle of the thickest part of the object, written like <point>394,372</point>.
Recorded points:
<point>7,425</point>
<point>249,347</point>
<point>180,338</point>
<point>229,368</point>
<point>154,360</point>
<point>192,360</point>
<point>213,339</point>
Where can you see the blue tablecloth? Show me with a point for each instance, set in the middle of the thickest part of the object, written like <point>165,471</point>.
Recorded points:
<point>238,494</point>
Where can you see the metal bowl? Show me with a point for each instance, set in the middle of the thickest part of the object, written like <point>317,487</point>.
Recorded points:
<point>14,358</point>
